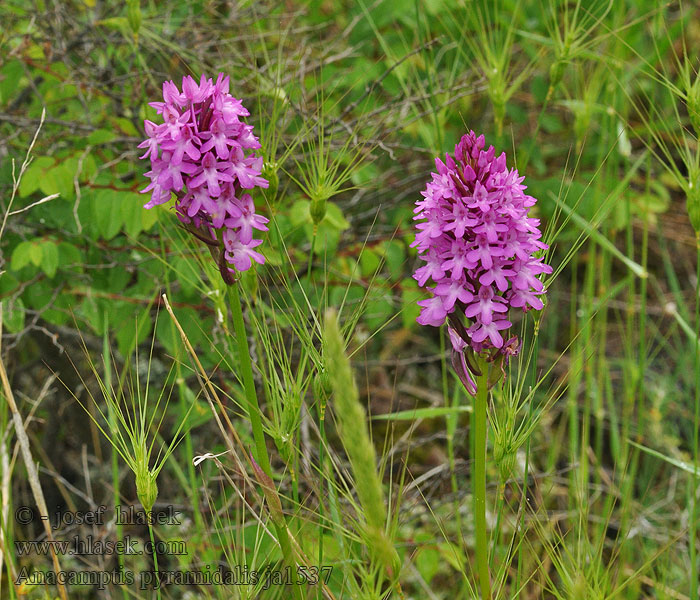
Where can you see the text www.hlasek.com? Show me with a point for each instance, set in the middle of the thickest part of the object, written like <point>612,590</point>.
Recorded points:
<point>91,546</point>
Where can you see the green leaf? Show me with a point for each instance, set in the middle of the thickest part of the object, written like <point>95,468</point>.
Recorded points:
<point>33,176</point>
<point>48,183</point>
<point>684,466</point>
<point>422,413</point>
<point>428,562</point>
<point>107,213</point>
<point>149,216</point>
<point>64,176</point>
<point>10,76</point>
<point>187,273</point>
<point>8,283</point>
<point>395,258</point>
<point>93,314</point>
<point>410,294</point>
<point>13,314</point>
<point>453,555</point>
<point>369,262</point>
<point>70,256</point>
<point>20,256</point>
<point>300,212</point>
<point>40,294</point>
<point>101,136</point>
<point>36,253</point>
<point>193,411</point>
<point>49,258</point>
<point>134,332</point>
<point>334,217</point>
<point>170,338</point>
<point>116,23</point>
<point>132,209</point>
<point>126,127</point>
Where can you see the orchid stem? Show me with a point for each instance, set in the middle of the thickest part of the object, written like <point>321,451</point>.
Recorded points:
<point>479,423</point>
<point>261,455</point>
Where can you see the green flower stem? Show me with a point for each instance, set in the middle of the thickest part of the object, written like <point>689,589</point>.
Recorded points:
<point>479,423</point>
<point>261,456</point>
<point>311,251</point>
<point>696,444</point>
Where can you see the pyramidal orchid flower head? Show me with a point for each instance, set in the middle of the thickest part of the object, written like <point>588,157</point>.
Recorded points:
<point>203,155</point>
<point>479,249</point>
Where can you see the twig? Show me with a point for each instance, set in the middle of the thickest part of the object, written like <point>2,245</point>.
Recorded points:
<point>23,168</point>
<point>33,204</point>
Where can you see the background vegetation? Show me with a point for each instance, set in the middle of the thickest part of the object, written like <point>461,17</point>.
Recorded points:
<point>594,437</point>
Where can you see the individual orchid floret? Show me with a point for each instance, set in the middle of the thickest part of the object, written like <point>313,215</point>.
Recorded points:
<point>202,154</point>
<point>480,250</point>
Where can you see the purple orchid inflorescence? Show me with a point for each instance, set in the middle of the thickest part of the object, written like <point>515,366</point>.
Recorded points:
<point>478,244</point>
<point>204,154</point>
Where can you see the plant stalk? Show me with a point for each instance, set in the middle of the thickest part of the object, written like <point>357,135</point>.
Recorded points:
<point>155,555</point>
<point>261,455</point>
<point>479,424</point>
